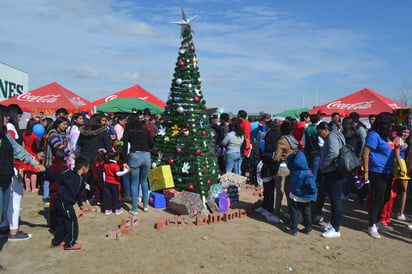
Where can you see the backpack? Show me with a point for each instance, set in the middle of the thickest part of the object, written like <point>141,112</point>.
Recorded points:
<point>347,161</point>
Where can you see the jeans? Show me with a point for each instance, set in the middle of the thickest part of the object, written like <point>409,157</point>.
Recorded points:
<point>126,185</point>
<point>296,209</point>
<point>333,186</point>
<point>282,186</point>
<point>380,187</point>
<point>139,163</point>
<point>313,163</point>
<point>233,160</point>
<point>46,185</point>
<point>4,201</point>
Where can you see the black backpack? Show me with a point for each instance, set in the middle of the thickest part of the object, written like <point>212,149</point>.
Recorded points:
<point>347,161</point>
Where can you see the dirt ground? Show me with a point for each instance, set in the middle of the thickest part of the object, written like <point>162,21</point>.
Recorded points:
<point>248,245</point>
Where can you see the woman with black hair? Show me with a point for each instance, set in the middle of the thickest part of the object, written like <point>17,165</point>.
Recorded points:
<point>73,135</point>
<point>56,138</point>
<point>138,143</point>
<point>92,137</point>
<point>286,145</point>
<point>354,140</point>
<point>378,164</point>
<point>10,204</point>
<point>233,142</point>
<point>332,179</point>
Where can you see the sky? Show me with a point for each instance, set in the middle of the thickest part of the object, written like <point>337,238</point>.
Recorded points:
<point>260,56</point>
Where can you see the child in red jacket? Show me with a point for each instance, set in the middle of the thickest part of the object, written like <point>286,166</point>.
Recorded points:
<point>97,176</point>
<point>112,184</point>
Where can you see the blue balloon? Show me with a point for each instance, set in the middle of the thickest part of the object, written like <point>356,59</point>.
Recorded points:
<point>38,130</point>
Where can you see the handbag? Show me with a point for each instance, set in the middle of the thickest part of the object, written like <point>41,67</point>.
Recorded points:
<point>347,161</point>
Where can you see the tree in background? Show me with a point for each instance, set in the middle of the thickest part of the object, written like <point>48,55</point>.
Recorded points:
<point>184,141</point>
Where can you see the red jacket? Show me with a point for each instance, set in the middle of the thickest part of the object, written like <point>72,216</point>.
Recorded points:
<point>110,169</point>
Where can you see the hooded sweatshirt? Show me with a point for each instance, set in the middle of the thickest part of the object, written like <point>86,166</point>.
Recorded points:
<point>302,181</point>
<point>286,145</point>
<point>330,151</point>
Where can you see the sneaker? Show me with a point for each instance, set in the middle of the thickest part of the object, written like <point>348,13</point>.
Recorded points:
<point>46,201</point>
<point>293,232</point>
<point>308,230</point>
<point>20,235</point>
<point>133,211</point>
<point>373,232</point>
<point>388,222</point>
<point>331,233</point>
<point>326,227</point>
<point>410,226</point>
<point>118,211</point>
<point>383,227</point>
<point>59,245</point>
<point>260,210</point>
<point>344,197</point>
<point>74,247</point>
<point>318,219</point>
<point>127,199</point>
<point>107,212</point>
<point>403,217</point>
<point>146,209</point>
<point>272,218</point>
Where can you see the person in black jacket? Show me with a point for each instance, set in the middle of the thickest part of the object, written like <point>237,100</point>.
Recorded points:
<point>92,138</point>
<point>70,188</point>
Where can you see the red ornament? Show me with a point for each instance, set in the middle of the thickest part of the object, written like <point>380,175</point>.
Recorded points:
<point>197,99</point>
<point>204,132</point>
<point>204,169</point>
<point>181,64</point>
<point>171,161</point>
<point>198,152</point>
<point>192,49</point>
<point>209,182</point>
<point>190,187</point>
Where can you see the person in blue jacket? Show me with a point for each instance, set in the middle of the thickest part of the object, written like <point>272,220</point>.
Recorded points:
<point>303,190</point>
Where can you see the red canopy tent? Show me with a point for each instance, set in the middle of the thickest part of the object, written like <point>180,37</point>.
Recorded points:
<point>134,91</point>
<point>47,99</point>
<point>364,102</point>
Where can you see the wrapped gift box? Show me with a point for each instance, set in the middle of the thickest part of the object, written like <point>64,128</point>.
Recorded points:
<point>161,178</point>
<point>215,190</point>
<point>186,203</point>
<point>157,200</point>
<point>170,193</point>
<point>231,183</point>
<point>232,192</point>
<point>232,179</point>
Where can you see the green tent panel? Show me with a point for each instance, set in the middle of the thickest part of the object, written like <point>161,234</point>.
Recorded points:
<point>127,104</point>
<point>294,113</point>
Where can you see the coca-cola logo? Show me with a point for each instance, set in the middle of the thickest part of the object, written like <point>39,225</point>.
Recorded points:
<point>77,101</point>
<point>110,97</point>
<point>340,105</point>
<point>28,97</point>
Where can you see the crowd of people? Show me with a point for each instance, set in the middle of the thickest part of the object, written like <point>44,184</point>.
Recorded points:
<point>105,159</point>
<point>384,173</point>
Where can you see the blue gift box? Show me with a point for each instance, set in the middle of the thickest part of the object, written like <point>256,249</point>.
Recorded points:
<point>157,200</point>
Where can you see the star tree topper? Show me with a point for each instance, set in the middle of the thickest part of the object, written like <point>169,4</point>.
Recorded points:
<point>185,22</point>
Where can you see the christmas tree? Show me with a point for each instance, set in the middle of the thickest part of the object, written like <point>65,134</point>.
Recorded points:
<point>184,141</point>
